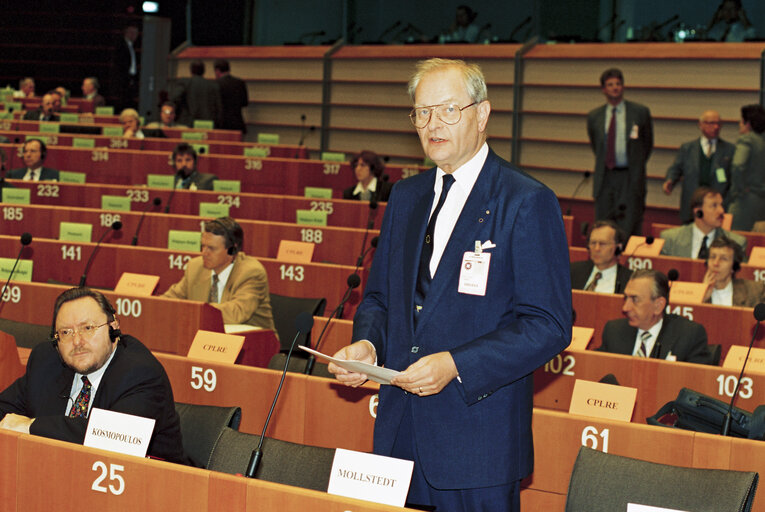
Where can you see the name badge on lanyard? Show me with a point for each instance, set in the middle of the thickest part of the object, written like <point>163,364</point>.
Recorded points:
<point>474,272</point>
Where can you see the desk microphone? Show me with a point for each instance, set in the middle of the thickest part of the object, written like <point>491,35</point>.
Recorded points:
<point>372,245</point>
<point>26,239</point>
<point>116,226</point>
<point>673,275</point>
<point>156,202</point>
<point>172,192</point>
<point>353,281</point>
<point>648,241</point>
<point>759,315</point>
<point>587,175</point>
<point>303,323</point>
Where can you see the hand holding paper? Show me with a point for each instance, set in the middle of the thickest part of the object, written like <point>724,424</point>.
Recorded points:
<point>353,365</point>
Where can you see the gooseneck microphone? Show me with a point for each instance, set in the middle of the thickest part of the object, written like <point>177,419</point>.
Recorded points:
<point>759,315</point>
<point>116,226</point>
<point>156,202</point>
<point>372,245</point>
<point>172,192</point>
<point>673,275</point>
<point>353,281</point>
<point>648,241</point>
<point>26,239</point>
<point>587,175</point>
<point>303,323</point>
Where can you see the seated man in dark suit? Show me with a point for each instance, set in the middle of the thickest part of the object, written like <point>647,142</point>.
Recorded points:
<point>91,364</point>
<point>602,272</point>
<point>368,168</point>
<point>647,331</point>
<point>34,151</point>
<point>45,112</point>
<point>692,240</point>
<point>226,277</point>
<point>725,257</point>
<point>186,174</point>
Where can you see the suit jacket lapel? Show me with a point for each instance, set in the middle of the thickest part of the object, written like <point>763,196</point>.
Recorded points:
<point>463,235</point>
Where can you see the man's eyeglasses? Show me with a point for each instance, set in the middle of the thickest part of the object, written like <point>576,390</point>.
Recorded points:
<point>595,244</point>
<point>86,332</point>
<point>449,113</point>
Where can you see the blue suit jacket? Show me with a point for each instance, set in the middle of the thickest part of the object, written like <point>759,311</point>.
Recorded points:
<point>475,433</point>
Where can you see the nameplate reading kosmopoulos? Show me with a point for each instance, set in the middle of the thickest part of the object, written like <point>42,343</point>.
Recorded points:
<point>119,432</point>
<point>602,400</point>
<point>370,477</point>
<point>216,347</point>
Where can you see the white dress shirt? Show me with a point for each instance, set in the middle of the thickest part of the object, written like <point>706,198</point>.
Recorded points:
<point>33,174</point>
<point>697,238</point>
<point>222,279</point>
<point>607,281</point>
<point>621,132</point>
<point>724,296</point>
<point>654,330</point>
<point>95,381</point>
<point>464,178</point>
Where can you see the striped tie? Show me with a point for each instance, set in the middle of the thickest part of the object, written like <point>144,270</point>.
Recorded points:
<point>213,297</point>
<point>642,350</point>
<point>80,406</point>
<point>594,283</point>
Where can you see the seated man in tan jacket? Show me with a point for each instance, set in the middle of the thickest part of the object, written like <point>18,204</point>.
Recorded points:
<point>227,278</point>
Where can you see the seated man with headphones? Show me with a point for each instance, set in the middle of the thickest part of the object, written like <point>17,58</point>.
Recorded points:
<point>692,240</point>
<point>725,257</point>
<point>33,153</point>
<point>90,363</point>
<point>227,278</point>
<point>186,174</point>
<point>602,272</point>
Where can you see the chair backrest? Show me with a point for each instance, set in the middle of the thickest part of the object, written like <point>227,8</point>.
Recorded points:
<point>297,365</point>
<point>202,425</point>
<point>601,482</point>
<point>285,311</point>
<point>27,335</point>
<point>283,462</point>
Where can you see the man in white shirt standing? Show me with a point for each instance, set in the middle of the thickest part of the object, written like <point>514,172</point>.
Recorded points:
<point>34,152</point>
<point>704,161</point>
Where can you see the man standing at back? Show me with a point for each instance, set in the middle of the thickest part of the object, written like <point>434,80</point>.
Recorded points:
<point>233,95</point>
<point>621,136</point>
<point>450,305</point>
<point>197,98</point>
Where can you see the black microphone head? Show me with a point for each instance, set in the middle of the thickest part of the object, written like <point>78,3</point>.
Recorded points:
<point>759,312</point>
<point>353,280</point>
<point>157,201</point>
<point>26,239</point>
<point>304,322</point>
<point>385,177</point>
<point>673,274</point>
<point>587,174</point>
<point>116,225</point>
<point>372,204</point>
<point>609,379</point>
<point>649,240</point>
<point>374,242</point>
<point>302,117</point>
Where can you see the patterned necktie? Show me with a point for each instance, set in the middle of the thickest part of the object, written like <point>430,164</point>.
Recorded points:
<point>594,283</point>
<point>643,349</point>
<point>213,298</point>
<point>703,250</point>
<point>80,406</point>
<point>423,274</point>
<point>611,141</point>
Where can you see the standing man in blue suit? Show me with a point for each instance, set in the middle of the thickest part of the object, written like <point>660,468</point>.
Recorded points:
<point>451,302</point>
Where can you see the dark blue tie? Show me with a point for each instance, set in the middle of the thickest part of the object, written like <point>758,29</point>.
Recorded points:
<point>423,274</point>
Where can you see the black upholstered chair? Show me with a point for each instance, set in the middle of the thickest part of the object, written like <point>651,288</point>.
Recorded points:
<point>285,311</point>
<point>202,425</point>
<point>602,482</point>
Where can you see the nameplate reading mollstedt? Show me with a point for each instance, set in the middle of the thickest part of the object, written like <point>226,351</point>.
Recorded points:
<point>370,477</point>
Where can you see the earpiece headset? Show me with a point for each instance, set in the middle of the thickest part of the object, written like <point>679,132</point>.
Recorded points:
<point>699,214</point>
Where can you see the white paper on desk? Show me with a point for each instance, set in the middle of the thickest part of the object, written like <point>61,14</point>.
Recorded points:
<point>376,373</point>
<point>633,507</point>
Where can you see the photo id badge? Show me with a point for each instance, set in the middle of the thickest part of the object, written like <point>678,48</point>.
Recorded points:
<point>474,273</point>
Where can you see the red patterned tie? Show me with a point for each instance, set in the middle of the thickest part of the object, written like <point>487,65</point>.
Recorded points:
<point>80,406</point>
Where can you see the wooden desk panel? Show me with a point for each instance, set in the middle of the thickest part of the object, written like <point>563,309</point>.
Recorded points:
<point>10,363</point>
<point>153,320</point>
<point>310,410</point>
<point>242,206</point>
<point>261,238</point>
<point>657,381</point>
<point>8,461</point>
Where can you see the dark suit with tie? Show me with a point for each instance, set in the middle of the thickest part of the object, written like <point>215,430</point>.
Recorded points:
<point>233,94</point>
<point>196,181</point>
<point>38,115</point>
<point>381,193</point>
<point>581,270</point>
<point>687,340</point>
<point>476,432</point>
<point>197,98</point>
<point>687,166</point>
<point>46,174</point>
<point>639,138</point>
<point>133,383</point>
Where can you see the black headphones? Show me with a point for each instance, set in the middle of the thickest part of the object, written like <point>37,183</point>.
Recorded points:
<point>231,246</point>
<point>699,214</point>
